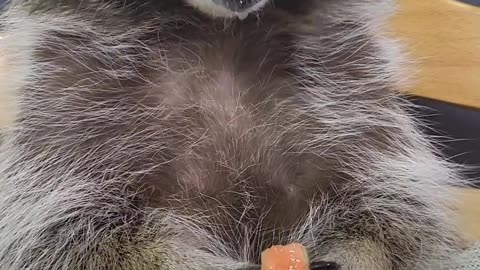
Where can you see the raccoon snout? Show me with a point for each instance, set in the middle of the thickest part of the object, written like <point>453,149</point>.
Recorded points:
<point>237,5</point>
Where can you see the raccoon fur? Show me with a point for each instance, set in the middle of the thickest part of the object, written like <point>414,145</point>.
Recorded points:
<point>187,134</point>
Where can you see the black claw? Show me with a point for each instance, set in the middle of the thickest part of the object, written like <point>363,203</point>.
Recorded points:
<point>324,266</point>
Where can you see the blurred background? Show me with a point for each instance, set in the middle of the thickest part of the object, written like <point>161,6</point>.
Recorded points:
<point>443,37</point>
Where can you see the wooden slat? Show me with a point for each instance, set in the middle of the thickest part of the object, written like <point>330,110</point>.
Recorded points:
<point>444,37</point>
<point>469,212</point>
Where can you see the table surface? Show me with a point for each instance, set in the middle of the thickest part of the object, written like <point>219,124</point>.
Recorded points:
<point>469,212</point>
<point>443,36</point>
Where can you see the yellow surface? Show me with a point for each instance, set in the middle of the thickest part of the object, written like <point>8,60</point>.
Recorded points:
<point>469,210</point>
<point>443,36</point>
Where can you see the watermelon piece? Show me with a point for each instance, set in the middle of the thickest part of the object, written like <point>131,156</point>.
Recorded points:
<point>289,257</point>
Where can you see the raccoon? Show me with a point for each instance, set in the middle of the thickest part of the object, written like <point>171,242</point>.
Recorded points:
<point>193,134</point>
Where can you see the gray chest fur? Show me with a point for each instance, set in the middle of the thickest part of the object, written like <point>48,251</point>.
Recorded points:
<point>166,127</point>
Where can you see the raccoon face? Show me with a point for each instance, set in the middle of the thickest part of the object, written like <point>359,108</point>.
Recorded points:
<point>228,8</point>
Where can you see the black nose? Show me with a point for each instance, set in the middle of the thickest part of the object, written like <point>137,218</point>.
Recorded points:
<point>237,5</point>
